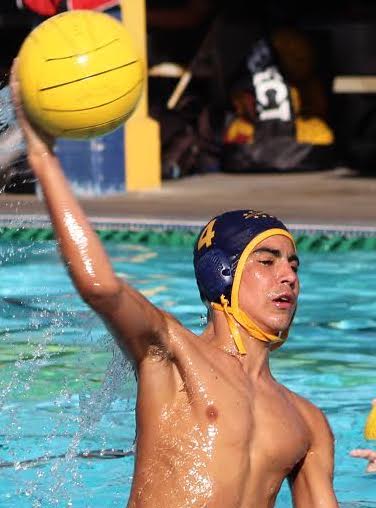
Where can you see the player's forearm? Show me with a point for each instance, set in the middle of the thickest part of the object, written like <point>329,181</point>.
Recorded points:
<point>80,247</point>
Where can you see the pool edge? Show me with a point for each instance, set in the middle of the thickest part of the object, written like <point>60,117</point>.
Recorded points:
<point>310,237</point>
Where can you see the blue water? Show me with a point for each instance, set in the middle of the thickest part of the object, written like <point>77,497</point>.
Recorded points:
<point>65,389</point>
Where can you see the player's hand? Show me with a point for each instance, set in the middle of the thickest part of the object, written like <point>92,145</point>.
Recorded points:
<point>367,454</point>
<point>39,143</point>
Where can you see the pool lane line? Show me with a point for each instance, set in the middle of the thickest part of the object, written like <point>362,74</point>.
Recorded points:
<point>119,224</point>
<point>93,454</point>
<point>305,242</point>
<point>309,238</point>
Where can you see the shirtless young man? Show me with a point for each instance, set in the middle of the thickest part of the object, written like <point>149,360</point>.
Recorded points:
<point>214,428</point>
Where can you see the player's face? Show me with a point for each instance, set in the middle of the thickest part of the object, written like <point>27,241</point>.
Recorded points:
<point>269,286</point>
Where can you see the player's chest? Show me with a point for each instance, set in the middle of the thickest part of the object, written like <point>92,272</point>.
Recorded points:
<point>280,433</point>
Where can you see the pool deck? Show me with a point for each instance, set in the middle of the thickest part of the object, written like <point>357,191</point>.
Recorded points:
<point>337,198</point>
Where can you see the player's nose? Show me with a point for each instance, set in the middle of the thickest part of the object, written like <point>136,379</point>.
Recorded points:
<point>288,274</point>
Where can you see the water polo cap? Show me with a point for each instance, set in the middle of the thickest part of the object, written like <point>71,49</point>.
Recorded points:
<point>220,254</point>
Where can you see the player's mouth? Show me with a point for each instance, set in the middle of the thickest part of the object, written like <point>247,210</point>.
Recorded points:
<point>285,301</point>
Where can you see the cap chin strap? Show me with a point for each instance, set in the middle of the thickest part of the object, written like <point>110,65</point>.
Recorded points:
<point>234,314</point>
<point>232,323</point>
<point>239,317</point>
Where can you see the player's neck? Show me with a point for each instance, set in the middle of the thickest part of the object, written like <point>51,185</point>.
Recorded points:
<point>256,360</point>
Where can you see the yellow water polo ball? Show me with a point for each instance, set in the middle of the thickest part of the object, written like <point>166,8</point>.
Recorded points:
<point>80,74</point>
<point>370,426</point>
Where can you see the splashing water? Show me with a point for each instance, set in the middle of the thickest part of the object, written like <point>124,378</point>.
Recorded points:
<point>41,334</point>
<point>14,170</point>
<point>68,396</point>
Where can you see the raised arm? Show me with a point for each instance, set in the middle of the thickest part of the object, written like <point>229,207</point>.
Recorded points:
<point>136,323</point>
<point>311,482</point>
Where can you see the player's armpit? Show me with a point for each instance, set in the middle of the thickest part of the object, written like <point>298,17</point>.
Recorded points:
<point>138,326</point>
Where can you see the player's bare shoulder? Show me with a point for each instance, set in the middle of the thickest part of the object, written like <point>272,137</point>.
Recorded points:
<point>314,418</point>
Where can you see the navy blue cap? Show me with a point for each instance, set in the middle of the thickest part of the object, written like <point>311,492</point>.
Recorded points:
<point>220,245</point>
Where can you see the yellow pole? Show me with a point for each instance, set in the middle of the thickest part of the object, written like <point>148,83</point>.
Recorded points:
<point>142,139</point>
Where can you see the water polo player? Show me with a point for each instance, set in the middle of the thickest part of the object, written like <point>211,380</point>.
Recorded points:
<point>214,428</point>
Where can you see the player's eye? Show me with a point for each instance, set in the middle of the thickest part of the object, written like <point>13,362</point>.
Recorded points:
<point>266,262</point>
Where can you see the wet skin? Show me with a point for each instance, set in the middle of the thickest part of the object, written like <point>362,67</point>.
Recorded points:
<point>214,429</point>
<point>210,435</point>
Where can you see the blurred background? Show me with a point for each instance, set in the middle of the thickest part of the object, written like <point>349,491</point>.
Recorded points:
<point>203,56</point>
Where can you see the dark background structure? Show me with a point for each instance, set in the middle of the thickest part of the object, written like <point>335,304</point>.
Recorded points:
<point>344,36</point>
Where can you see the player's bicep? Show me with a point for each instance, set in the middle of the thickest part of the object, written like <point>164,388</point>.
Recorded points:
<point>311,481</point>
<point>134,321</point>
<point>311,488</point>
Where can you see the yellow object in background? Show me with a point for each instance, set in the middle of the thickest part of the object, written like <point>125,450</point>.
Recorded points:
<point>296,101</point>
<point>142,134</point>
<point>370,427</point>
<point>80,74</point>
<point>239,130</point>
<point>313,131</point>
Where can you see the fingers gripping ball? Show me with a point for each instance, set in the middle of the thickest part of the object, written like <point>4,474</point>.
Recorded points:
<point>79,74</point>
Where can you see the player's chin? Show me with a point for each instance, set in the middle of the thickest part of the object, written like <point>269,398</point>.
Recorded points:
<point>281,322</point>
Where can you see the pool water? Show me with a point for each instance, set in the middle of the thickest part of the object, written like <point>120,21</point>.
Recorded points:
<point>65,389</point>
